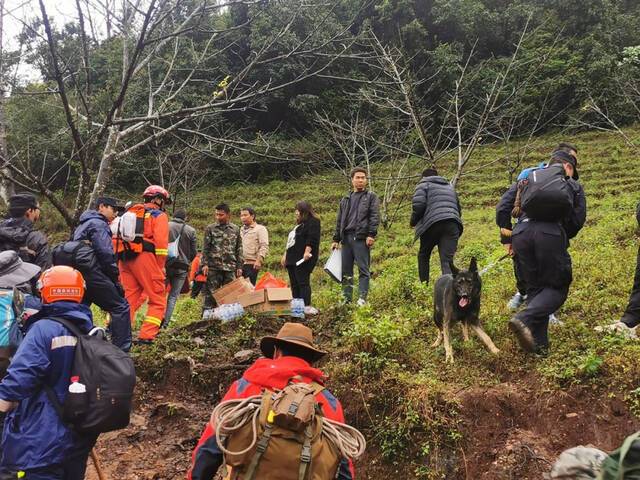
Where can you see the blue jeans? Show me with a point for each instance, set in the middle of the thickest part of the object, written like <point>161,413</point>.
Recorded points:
<point>176,279</point>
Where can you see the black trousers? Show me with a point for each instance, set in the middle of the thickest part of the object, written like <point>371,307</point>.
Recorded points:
<point>445,236</point>
<point>102,291</point>
<point>520,285</point>
<point>544,262</point>
<point>300,280</point>
<point>631,316</point>
<point>249,272</point>
<point>196,288</point>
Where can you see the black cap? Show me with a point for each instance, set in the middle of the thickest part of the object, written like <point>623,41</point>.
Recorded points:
<point>567,158</point>
<point>109,201</point>
<point>23,200</point>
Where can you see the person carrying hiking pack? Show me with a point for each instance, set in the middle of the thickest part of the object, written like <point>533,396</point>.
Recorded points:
<point>437,218</point>
<point>18,232</point>
<point>289,359</point>
<point>141,239</point>
<point>221,253</point>
<point>178,266</point>
<point>551,209</point>
<point>103,286</point>
<point>356,230</point>
<point>504,215</point>
<point>36,440</point>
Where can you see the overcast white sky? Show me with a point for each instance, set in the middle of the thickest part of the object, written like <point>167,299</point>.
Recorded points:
<point>61,11</point>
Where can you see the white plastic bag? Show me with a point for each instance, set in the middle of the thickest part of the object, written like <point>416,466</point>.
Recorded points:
<point>334,265</point>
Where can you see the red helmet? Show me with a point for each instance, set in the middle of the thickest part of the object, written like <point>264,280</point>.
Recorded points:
<point>153,191</point>
<point>61,283</point>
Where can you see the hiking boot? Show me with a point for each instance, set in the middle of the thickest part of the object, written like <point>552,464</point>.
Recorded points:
<point>516,301</point>
<point>361,302</point>
<point>553,320</point>
<point>620,328</point>
<point>523,335</point>
<point>141,343</point>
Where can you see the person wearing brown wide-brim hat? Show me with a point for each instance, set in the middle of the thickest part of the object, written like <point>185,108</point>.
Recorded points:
<point>289,356</point>
<point>294,338</point>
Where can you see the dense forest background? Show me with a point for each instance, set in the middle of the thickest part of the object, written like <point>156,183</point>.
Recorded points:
<point>183,92</point>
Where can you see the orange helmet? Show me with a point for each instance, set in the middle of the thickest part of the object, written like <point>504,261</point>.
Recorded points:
<point>153,191</point>
<point>61,283</point>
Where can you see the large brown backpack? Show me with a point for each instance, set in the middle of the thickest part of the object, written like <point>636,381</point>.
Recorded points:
<point>289,445</point>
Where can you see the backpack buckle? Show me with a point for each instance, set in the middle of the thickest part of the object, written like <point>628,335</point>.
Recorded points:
<point>306,454</point>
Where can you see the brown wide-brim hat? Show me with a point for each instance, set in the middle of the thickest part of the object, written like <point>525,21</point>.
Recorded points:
<point>292,334</point>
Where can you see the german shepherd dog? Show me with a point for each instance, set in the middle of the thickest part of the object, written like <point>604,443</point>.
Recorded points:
<point>456,298</point>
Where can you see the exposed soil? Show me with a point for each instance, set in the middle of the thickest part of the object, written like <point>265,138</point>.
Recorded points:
<point>511,431</point>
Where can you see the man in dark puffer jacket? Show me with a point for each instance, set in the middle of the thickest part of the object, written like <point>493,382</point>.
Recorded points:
<point>18,233</point>
<point>437,218</point>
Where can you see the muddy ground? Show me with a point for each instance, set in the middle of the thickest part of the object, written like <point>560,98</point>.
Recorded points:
<point>513,430</point>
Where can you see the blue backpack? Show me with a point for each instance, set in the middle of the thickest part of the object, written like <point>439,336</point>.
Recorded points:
<point>11,308</point>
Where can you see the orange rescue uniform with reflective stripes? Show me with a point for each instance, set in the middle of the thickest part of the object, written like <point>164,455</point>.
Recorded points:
<point>195,266</point>
<point>144,275</point>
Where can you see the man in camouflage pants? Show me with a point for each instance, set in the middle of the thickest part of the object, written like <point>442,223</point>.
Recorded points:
<point>221,254</point>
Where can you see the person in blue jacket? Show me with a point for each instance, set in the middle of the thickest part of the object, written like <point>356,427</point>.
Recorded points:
<point>103,284</point>
<point>36,443</point>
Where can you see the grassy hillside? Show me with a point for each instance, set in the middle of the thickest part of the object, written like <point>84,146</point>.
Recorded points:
<point>485,416</point>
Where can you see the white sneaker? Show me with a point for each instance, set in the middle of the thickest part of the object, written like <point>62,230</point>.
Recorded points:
<point>516,301</point>
<point>553,320</point>
<point>361,302</point>
<point>309,310</point>
<point>620,328</point>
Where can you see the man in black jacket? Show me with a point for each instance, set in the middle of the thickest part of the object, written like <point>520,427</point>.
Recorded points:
<point>436,217</point>
<point>356,229</point>
<point>18,231</point>
<point>540,250</point>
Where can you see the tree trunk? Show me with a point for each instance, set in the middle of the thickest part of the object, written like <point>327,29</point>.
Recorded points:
<point>6,187</point>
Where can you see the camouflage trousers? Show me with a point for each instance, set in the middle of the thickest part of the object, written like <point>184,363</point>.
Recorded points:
<point>215,280</point>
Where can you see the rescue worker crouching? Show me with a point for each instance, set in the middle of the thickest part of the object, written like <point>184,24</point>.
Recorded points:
<point>289,357</point>
<point>142,257</point>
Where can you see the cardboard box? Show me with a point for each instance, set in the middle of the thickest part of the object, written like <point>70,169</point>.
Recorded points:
<point>230,292</point>
<point>271,301</point>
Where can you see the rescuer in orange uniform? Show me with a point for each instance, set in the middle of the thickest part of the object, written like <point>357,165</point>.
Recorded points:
<point>142,261</point>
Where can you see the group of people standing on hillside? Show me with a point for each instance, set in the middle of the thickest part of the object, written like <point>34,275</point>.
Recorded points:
<point>119,259</point>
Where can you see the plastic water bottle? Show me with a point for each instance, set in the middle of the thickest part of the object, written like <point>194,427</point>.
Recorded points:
<point>297,308</point>
<point>209,314</point>
<point>76,386</point>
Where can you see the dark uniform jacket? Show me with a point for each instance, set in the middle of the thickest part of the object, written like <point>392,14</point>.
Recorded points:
<point>368,218</point>
<point>434,200</point>
<point>571,225</point>
<point>94,228</point>
<point>20,235</point>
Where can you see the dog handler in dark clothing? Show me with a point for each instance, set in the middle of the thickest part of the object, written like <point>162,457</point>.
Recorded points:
<point>540,249</point>
<point>436,217</point>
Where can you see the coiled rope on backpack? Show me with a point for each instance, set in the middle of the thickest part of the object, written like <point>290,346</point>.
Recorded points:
<point>231,415</point>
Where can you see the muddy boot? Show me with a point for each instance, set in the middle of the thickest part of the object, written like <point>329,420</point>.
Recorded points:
<point>523,335</point>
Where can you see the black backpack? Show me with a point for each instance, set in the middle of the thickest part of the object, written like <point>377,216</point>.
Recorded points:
<point>77,254</point>
<point>110,378</point>
<point>546,194</point>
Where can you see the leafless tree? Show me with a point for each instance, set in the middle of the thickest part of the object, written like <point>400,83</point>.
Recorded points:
<point>155,36</point>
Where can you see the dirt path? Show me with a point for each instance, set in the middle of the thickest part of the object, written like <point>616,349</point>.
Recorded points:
<point>511,431</point>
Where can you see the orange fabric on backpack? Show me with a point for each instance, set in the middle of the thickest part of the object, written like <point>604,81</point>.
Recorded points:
<point>269,281</point>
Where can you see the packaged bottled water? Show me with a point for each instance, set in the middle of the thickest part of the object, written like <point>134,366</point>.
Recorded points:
<point>297,308</point>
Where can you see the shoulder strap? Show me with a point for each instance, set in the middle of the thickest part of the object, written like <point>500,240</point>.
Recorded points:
<point>70,326</point>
